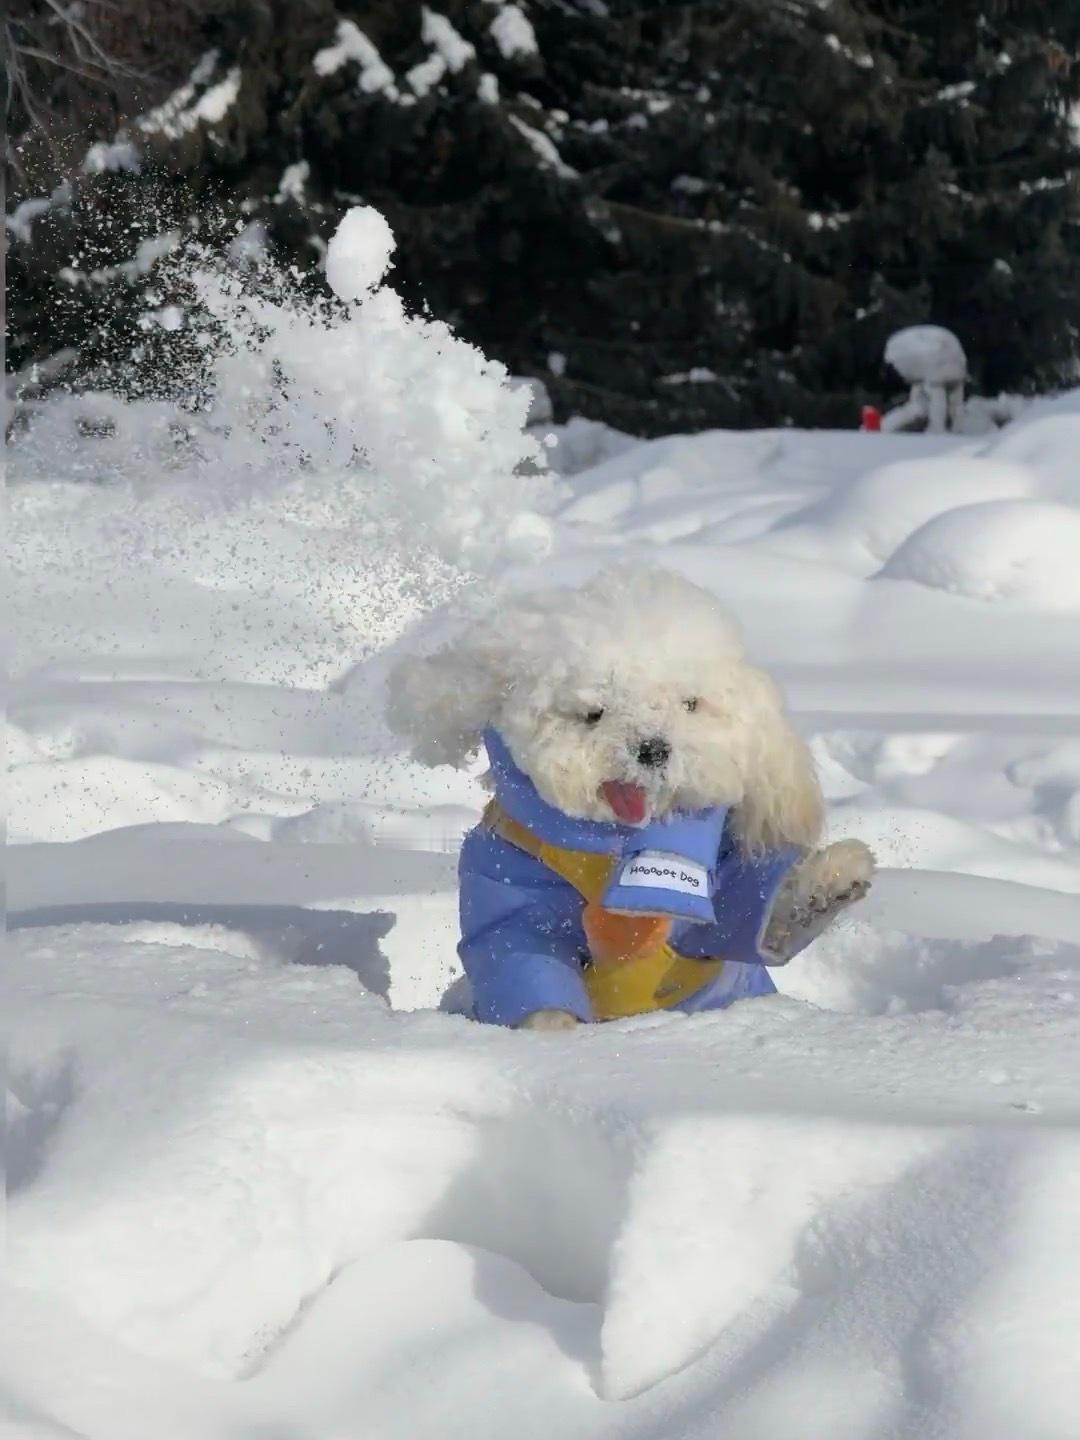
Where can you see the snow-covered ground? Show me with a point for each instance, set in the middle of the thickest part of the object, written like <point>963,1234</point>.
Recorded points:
<point>262,1189</point>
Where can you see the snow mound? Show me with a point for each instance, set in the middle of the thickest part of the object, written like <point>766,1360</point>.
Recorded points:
<point>229,1169</point>
<point>1050,446</point>
<point>880,510</point>
<point>928,353</point>
<point>1019,550</point>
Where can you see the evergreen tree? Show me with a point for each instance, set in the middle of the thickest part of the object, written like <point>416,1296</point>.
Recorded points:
<point>676,215</point>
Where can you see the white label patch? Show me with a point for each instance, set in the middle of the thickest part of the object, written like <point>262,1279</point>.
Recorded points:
<point>654,869</point>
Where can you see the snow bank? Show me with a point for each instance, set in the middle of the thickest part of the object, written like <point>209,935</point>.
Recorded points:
<point>1050,447</point>
<point>865,525</point>
<point>880,511</point>
<point>225,1167</point>
<point>1016,550</point>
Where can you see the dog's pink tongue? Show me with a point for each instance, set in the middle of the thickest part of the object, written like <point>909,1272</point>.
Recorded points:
<point>627,800</point>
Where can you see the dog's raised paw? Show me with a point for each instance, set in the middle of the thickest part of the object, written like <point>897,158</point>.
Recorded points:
<point>816,890</point>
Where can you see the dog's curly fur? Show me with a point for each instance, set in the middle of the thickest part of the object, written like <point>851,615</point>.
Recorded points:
<point>658,656</point>
<point>577,680</point>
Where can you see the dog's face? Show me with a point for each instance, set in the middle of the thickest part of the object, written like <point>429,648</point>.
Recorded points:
<point>626,732</point>
<point>625,700</point>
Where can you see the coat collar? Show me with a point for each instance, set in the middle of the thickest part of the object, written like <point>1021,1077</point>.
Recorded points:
<point>522,802</point>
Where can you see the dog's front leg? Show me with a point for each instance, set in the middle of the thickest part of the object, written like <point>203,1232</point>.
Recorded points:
<point>814,892</point>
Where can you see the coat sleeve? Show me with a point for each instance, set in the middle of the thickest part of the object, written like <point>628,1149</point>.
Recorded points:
<point>521,934</point>
<point>743,896</point>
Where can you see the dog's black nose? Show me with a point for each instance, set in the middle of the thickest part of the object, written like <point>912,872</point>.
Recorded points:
<point>654,752</point>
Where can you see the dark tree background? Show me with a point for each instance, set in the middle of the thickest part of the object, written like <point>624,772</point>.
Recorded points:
<point>678,215</point>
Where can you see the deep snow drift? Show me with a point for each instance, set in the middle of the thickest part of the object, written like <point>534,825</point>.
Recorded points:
<point>260,1187</point>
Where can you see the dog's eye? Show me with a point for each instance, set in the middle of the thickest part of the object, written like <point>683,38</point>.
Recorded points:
<point>690,704</point>
<point>593,717</point>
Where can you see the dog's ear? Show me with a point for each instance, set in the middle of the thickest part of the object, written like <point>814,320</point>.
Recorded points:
<point>782,803</point>
<point>442,702</point>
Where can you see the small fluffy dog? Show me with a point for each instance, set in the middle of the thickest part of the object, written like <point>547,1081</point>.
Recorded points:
<point>653,837</point>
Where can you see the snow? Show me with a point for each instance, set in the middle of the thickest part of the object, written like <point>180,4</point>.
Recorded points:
<point>352,44</point>
<point>864,60</point>
<point>216,102</point>
<point>261,1185</point>
<point>696,375</point>
<point>449,52</point>
<point>451,47</point>
<point>358,255</point>
<point>544,149</point>
<point>424,76</point>
<point>375,1217</point>
<point>293,182</point>
<point>119,154</point>
<point>147,254</point>
<point>513,33</point>
<point>927,353</point>
<point>1047,445</point>
<point>168,317</point>
<point>540,410</point>
<point>1000,549</point>
<point>876,514</point>
<point>19,222</point>
<point>250,244</point>
<point>181,112</point>
<point>961,91</point>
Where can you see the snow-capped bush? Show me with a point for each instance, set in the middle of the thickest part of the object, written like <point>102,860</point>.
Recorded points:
<point>927,353</point>
<point>395,421</point>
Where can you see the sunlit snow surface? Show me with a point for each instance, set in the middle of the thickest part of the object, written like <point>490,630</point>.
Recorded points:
<point>262,1190</point>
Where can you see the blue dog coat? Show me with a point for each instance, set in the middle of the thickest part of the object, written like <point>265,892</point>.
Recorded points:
<point>556,911</point>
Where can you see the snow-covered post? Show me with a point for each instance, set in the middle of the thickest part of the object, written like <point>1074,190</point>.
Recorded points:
<point>932,361</point>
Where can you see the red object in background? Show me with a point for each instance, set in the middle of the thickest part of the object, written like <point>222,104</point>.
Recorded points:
<point>871,418</point>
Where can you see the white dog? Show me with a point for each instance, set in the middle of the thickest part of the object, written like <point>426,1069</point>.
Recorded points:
<point>653,838</point>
